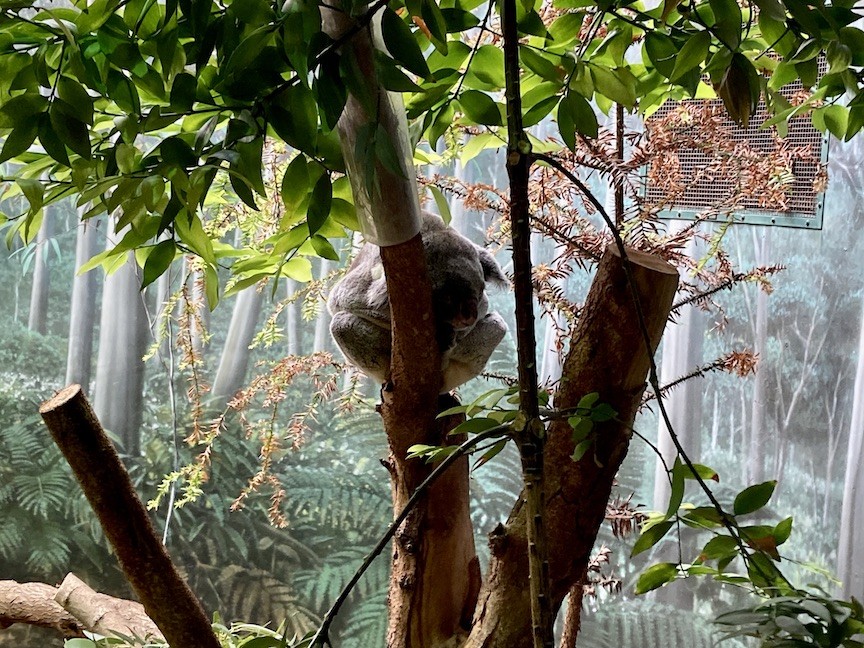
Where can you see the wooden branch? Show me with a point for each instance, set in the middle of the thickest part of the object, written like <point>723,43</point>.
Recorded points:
<point>34,604</point>
<point>144,561</point>
<point>607,355</point>
<point>103,614</point>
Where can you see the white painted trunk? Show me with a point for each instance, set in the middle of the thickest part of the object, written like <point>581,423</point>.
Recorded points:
<point>82,317</point>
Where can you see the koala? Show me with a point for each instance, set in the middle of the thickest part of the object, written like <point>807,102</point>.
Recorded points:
<point>467,332</point>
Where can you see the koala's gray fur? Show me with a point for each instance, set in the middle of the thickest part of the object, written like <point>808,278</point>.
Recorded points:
<point>459,270</point>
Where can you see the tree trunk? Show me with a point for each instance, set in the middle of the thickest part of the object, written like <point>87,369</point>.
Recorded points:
<point>37,319</point>
<point>293,319</point>
<point>758,432</point>
<point>850,554</point>
<point>435,572</point>
<point>682,352</point>
<point>235,355</point>
<point>200,319</point>
<point>322,321</point>
<point>82,317</point>
<point>118,395</point>
<point>608,356</point>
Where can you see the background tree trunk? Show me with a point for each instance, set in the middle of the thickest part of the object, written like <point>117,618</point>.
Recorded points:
<point>235,355</point>
<point>850,554</point>
<point>119,392</point>
<point>37,318</point>
<point>758,431</point>
<point>682,353</point>
<point>82,310</point>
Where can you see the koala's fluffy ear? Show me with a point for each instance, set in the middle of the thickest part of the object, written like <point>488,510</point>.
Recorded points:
<point>491,270</point>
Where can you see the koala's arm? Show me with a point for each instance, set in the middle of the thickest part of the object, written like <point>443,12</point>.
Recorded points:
<point>361,315</point>
<point>469,355</point>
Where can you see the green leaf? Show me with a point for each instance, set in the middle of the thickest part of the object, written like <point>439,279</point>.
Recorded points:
<point>295,184</point>
<point>435,23</point>
<point>727,22</point>
<point>19,140</point>
<point>692,54</point>
<point>619,85</point>
<point>441,202</point>
<point>123,92</point>
<point>581,448</point>
<point>656,576</point>
<point>488,65</point>
<point>754,497</point>
<point>51,143</point>
<point>480,108</point>
<point>721,546</point>
<point>705,472</point>
<point>34,192</point>
<point>677,492</point>
<point>319,204</point>
<point>651,536</point>
<point>740,89</point>
<point>783,530</point>
<point>323,248</point>
<point>21,109</point>
<point>160,258</point>
<point>661,51</point>
<point>71,131</point>
<point>402,44</point>
<point>575,114</point>
<point>183,91</point>
<point>458,20</point>
<point>537,111</point>
<point>74,94</point>
<point>588,401</point>
<point>540,65</point>
<point>836,120</point>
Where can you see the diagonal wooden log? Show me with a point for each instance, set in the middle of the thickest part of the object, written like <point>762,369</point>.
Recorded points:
<point>166,597</point>
<point>607,355</point>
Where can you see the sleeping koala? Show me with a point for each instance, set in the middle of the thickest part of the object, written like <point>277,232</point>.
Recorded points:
<point>467,332</point>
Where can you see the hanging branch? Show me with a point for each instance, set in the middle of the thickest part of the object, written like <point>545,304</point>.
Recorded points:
<point>530,435</point>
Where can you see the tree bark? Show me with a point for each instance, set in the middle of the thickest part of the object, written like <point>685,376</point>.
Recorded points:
<point>235,354</point>
<point>34,604</point>
<point>104,614</point>
<point>435,572</point>
<point>82,319</point>
<point>118,395</point>
<point>37,318</point>
<point>850,553</point>
<point>106,484</point>
<point>608,356</point>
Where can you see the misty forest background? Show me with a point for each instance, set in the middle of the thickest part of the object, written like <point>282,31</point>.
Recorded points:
<point>790,420</point>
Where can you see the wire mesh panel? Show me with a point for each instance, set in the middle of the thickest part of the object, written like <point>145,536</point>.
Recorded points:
<point>735,173</point>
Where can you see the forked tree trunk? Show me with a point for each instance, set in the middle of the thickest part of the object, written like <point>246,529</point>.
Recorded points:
<point>608,356</point>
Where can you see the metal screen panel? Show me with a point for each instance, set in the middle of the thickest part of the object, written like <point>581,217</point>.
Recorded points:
<point>710,182</point>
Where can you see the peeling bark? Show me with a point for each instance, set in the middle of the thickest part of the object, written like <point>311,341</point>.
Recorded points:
<point>608,356</point>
